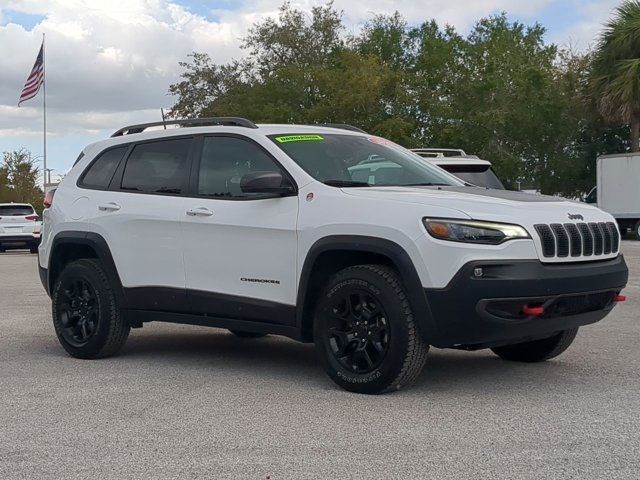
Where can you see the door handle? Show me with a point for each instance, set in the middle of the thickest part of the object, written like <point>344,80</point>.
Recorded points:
<point>199,212</point>
<point>109,207</point>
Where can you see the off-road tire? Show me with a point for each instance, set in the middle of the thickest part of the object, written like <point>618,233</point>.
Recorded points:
<point>406,351</point>
<point>243,334</point>
<point>112,329</point>
<point>537,350</point>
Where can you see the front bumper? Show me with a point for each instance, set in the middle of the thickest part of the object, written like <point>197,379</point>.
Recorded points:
<point>478,311</point>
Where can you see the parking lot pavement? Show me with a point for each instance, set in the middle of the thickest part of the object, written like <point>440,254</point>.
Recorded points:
<point>190,402</point>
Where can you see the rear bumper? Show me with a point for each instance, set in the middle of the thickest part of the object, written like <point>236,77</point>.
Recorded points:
<point>22,239</point>
<point>481,311</point>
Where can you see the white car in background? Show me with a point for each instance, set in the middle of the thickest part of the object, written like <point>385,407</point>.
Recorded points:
<point>20,227</point>
<point>468,168</point>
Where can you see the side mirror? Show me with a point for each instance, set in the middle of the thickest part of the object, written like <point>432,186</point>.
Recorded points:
<point>266,182</point>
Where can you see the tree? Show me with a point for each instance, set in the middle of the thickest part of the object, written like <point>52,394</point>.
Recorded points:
<point>499,92</point>
<point>616,69</point>
<point>19,179</point>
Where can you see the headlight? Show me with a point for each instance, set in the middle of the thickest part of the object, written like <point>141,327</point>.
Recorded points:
<point>471,231</point>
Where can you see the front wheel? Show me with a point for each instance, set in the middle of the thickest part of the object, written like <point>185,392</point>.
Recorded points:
<point>537,350</point>
<point>86,316</point>
<point>365,334</point>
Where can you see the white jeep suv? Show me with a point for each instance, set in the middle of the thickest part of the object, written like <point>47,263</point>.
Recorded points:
<point>320,234</point>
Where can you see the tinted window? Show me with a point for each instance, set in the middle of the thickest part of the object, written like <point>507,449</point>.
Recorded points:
<point>15,210</point>
<point>480,175</point>
<point>358,160</point>
<point>225,160</point>
<point>100,172</point>
<point>158,167</point>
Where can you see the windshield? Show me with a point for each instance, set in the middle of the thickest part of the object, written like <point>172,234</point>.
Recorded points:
<point>479,175</point>
<point>359,161</point>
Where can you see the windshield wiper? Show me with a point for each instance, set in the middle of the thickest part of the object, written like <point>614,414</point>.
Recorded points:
<point>345,183</point>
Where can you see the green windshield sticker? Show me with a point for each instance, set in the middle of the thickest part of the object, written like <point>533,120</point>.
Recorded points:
<point>299,138</point>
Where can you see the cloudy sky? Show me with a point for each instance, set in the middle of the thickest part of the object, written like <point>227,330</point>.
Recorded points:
<point>110,63</point>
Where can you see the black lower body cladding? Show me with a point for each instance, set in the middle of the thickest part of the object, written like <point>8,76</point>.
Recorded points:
<point>483,304</point>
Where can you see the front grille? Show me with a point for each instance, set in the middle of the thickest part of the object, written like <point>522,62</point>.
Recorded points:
<point>562,240</point>
<point>598,240</point>
<point>587,239</point>
<point>578,240</point>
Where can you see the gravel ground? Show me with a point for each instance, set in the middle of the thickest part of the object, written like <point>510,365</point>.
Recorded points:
<point>191,402</point>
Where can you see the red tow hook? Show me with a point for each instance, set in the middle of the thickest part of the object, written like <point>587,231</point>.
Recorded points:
<point>532,311</point>
<point>619,298</point>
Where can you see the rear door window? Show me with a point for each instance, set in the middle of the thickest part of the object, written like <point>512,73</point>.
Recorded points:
<point>101,170</point>
<point>158,167</point>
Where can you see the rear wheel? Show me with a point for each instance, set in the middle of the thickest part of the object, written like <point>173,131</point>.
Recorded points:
<point>537,350</point>
<point>365,334</point>
<point>243,334</point>
<point>636,230</point>
<point>86,316</point>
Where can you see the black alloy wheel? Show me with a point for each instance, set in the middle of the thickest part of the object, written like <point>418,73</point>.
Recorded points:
<point>86,314</point>
<point>359,333</point>
<point>365,334</point>
<point>78,311</point>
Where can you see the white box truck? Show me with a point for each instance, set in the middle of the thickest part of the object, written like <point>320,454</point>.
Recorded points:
<point>618,192</point>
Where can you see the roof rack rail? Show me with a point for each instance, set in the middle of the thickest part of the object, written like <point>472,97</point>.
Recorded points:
<point>341,126</point>
<point>187,122</point>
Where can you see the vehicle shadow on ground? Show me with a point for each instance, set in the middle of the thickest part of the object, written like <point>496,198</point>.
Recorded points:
<point>448,370</point>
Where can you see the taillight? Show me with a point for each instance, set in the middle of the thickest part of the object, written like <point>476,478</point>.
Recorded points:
<point>48,198</point>
<point>33,218</point>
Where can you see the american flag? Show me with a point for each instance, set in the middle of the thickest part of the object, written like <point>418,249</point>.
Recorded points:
<point>36,78</point>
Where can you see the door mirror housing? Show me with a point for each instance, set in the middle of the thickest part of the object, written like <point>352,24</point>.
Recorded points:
<point>273,183</point>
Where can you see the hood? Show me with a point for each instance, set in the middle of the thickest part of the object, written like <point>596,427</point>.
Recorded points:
<point>488,204</point>
<point>503,206</point>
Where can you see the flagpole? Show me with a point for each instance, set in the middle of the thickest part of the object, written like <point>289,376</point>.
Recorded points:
<point>44,115</point>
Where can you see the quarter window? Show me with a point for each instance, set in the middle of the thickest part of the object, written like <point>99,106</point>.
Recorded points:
<point>225,160</point>
<point>99,174</point>
<point>158,167</point>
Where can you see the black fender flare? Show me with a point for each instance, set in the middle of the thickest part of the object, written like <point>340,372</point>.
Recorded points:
<point>99,245</point>
<point>387,248</point>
